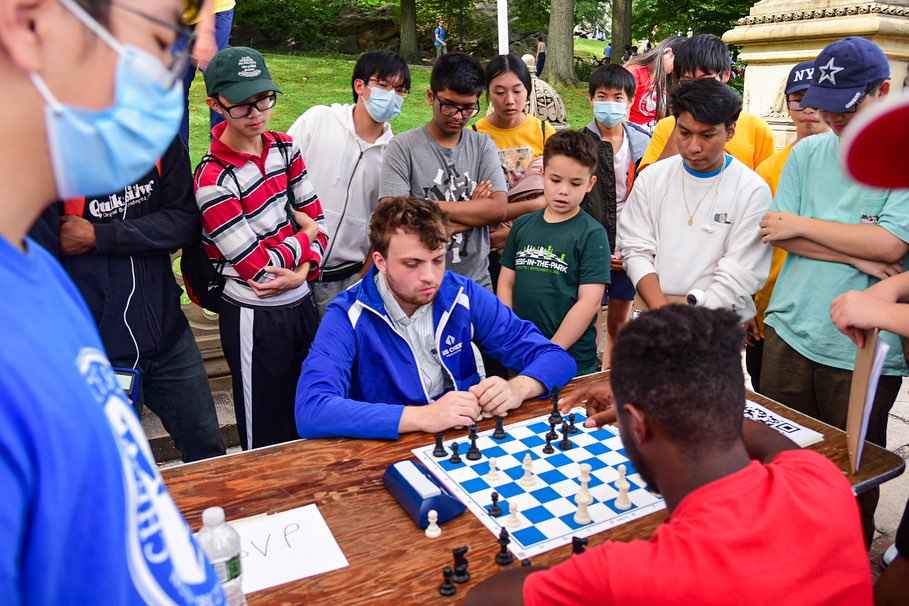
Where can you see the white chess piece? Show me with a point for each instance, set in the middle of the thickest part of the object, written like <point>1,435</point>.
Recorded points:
<point>493,474</point>
<point>513,521</point>
<point>584,491</point>
<point>622,501</point>
<point>433,531</point>
<point>621,482</point>
<point>529,479</point>
<point>583,514</point>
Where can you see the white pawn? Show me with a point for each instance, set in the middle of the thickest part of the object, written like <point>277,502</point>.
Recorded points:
<point>433,531</point>
<point>583,514</point>
<point>529,479</point>
<point>622,501</point>
<point>493,474</point>
<point>513,521</point>
<point>621,482</point>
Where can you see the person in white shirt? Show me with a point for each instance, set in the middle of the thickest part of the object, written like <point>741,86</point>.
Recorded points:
<point>343,146</point>
<point>691,222</point>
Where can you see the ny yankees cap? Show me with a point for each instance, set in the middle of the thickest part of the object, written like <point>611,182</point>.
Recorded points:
<point>799,77</point>
<point>842,73</point>
<point>237,73</point>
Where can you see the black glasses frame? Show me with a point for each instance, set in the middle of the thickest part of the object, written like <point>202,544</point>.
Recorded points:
<point>450,109</point>
<point>269,100</point>
<point>186,40</point>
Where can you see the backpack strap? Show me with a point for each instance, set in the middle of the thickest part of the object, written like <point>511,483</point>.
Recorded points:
<point>474,127</point>
<point>282,149</point>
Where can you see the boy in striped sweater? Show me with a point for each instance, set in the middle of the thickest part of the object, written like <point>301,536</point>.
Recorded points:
<point>266,249</point>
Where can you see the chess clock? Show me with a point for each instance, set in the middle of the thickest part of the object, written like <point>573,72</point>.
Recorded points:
<point>418,492</point>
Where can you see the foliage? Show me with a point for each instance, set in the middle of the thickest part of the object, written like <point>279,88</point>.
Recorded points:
<point>676,16</point>
<point>296,25</point>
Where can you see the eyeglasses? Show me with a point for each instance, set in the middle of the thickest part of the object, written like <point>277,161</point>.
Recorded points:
<point>386,85</point>
<point>241,110</point>
<point>182,49</point>
<point>450,109</point>
<point>795,105</point>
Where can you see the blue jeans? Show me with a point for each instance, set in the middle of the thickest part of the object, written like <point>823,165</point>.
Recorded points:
<point>223,22</point>
<point>175,387</point>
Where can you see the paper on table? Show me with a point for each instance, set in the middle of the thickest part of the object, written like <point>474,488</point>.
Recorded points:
<point>286,546</point>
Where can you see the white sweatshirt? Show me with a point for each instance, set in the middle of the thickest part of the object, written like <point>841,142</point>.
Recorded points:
<point>721,253</point>
<point>344,170</point>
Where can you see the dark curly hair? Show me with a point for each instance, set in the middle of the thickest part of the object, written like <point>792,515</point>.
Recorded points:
<point>411,215</point>
<point>573,144</point>
<point>682,366</point>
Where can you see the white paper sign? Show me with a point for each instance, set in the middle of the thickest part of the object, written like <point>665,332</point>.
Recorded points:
<point>286,546</point>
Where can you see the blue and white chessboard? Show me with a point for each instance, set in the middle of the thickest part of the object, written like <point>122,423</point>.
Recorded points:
<point>546,509</point>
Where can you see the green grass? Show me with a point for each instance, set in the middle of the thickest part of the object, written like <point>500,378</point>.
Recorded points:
<point>593,48</point>
<point>322,79</point>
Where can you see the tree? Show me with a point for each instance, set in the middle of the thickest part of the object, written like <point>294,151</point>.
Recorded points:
<point>559,68</point>
<point>621,28</point>
<point>410,50</point>
<point>676,16</point>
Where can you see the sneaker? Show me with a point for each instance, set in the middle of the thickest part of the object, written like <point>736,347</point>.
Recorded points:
<point>889,556</point>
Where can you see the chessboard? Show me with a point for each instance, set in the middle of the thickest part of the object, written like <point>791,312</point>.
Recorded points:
<point>546,509</point>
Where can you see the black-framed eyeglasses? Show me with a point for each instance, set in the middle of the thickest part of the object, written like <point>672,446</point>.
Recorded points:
<point>401,91</point>
<point>450,109</point>
<point>182,49</point>
<point>241,110</point>
<point>795,105</point>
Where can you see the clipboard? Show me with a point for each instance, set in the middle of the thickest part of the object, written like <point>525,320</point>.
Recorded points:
<point>869,361</point>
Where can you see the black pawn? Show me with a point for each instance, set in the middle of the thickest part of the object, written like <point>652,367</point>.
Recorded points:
<point>552,435</point>
<point>578,545</point>
<point>556,417</point>
<point>548,449</point>
<point>473,453</point>
<point>571,428</point>
<point>454,454</point>
<point>460,565</point>
<point>439,450</point>
<point>448,588</point>
<point>504,557</point>
<point>526,562</point>
<point>499,433</point>
<point>495,510</point>
<point>565,443</point>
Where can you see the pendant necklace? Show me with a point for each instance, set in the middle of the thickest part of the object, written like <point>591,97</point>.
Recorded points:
<point>716,181</point>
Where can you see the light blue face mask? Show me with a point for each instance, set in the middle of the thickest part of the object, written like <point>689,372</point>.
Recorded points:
<point>96,152</point>
<point>384,105</point>
<point>609,113</point>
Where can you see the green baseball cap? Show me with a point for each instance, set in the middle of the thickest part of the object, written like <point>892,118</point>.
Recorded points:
<point>237,73</point>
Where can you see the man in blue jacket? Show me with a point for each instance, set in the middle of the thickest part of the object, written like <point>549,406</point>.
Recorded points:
<point>394,353</point>
<point>116,247</point>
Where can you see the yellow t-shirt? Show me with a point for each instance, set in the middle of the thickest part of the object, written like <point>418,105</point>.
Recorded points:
<point>517,146</point>
<point>770,170</point>
<point>219,7</point>
<point>751,144</point>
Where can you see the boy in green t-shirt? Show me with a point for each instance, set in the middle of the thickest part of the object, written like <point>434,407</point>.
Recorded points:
<point>555,265</point>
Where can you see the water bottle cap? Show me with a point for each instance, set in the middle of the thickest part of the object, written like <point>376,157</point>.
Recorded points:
<point>213,516</point>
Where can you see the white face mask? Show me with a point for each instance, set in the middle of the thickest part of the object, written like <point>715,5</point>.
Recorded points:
<point>609,113</point>
<point>383,105</point>
<point>96,152</point>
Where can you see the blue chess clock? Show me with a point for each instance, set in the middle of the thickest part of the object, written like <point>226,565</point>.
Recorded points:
<point>418,492</point>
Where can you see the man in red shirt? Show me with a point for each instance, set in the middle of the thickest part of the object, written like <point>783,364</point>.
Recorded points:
<point>752,518</point>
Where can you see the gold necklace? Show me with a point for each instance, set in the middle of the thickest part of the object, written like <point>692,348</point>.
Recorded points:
<point>691,213</point>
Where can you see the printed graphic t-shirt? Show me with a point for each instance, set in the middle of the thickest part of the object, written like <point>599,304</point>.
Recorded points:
<point>517,146</point>
<point>415,165</point>
<point>86,517</point>
<point>551,261</point>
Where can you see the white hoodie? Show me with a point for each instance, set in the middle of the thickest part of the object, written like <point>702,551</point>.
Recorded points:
<point>344,171</point>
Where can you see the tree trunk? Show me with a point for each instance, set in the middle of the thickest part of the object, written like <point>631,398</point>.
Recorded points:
<point>559,68</point>
<point>410,50</point>
<point>621,28</point>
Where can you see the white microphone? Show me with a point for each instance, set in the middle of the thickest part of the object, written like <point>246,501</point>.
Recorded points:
<point>697,298</point>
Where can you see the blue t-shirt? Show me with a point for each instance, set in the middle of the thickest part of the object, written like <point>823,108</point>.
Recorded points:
<point>85,515</point>
<point>814,184</point>
<point>440,33</point>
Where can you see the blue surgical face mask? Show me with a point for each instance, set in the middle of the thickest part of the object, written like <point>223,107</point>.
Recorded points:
<point>609,113</point>
<point>384,105</point>
<point>97,152</point>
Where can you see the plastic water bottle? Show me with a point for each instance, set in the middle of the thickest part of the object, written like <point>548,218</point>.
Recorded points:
<point>222,546</point>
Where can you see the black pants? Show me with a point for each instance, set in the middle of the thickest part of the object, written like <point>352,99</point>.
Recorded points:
<point>265,348</point>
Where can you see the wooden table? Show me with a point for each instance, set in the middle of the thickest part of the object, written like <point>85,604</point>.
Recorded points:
<point>391,561</point>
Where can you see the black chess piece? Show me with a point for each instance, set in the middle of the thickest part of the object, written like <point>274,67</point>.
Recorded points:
<point>473,430</point>
<point>460,565</point>
<point>578,545</point>
<point>495,510</point>
<point>499,433</point>
<point>565,443</point>
<point>571,427</point>
<point>526,562</point>
<point>548,449</point>
<point>504,557</point>
<point>439,451</point>
<point>448,588</point>
<point>473,453</point>
<point>556,417</point>
<point>454,454</point>
<point>552,435</point>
